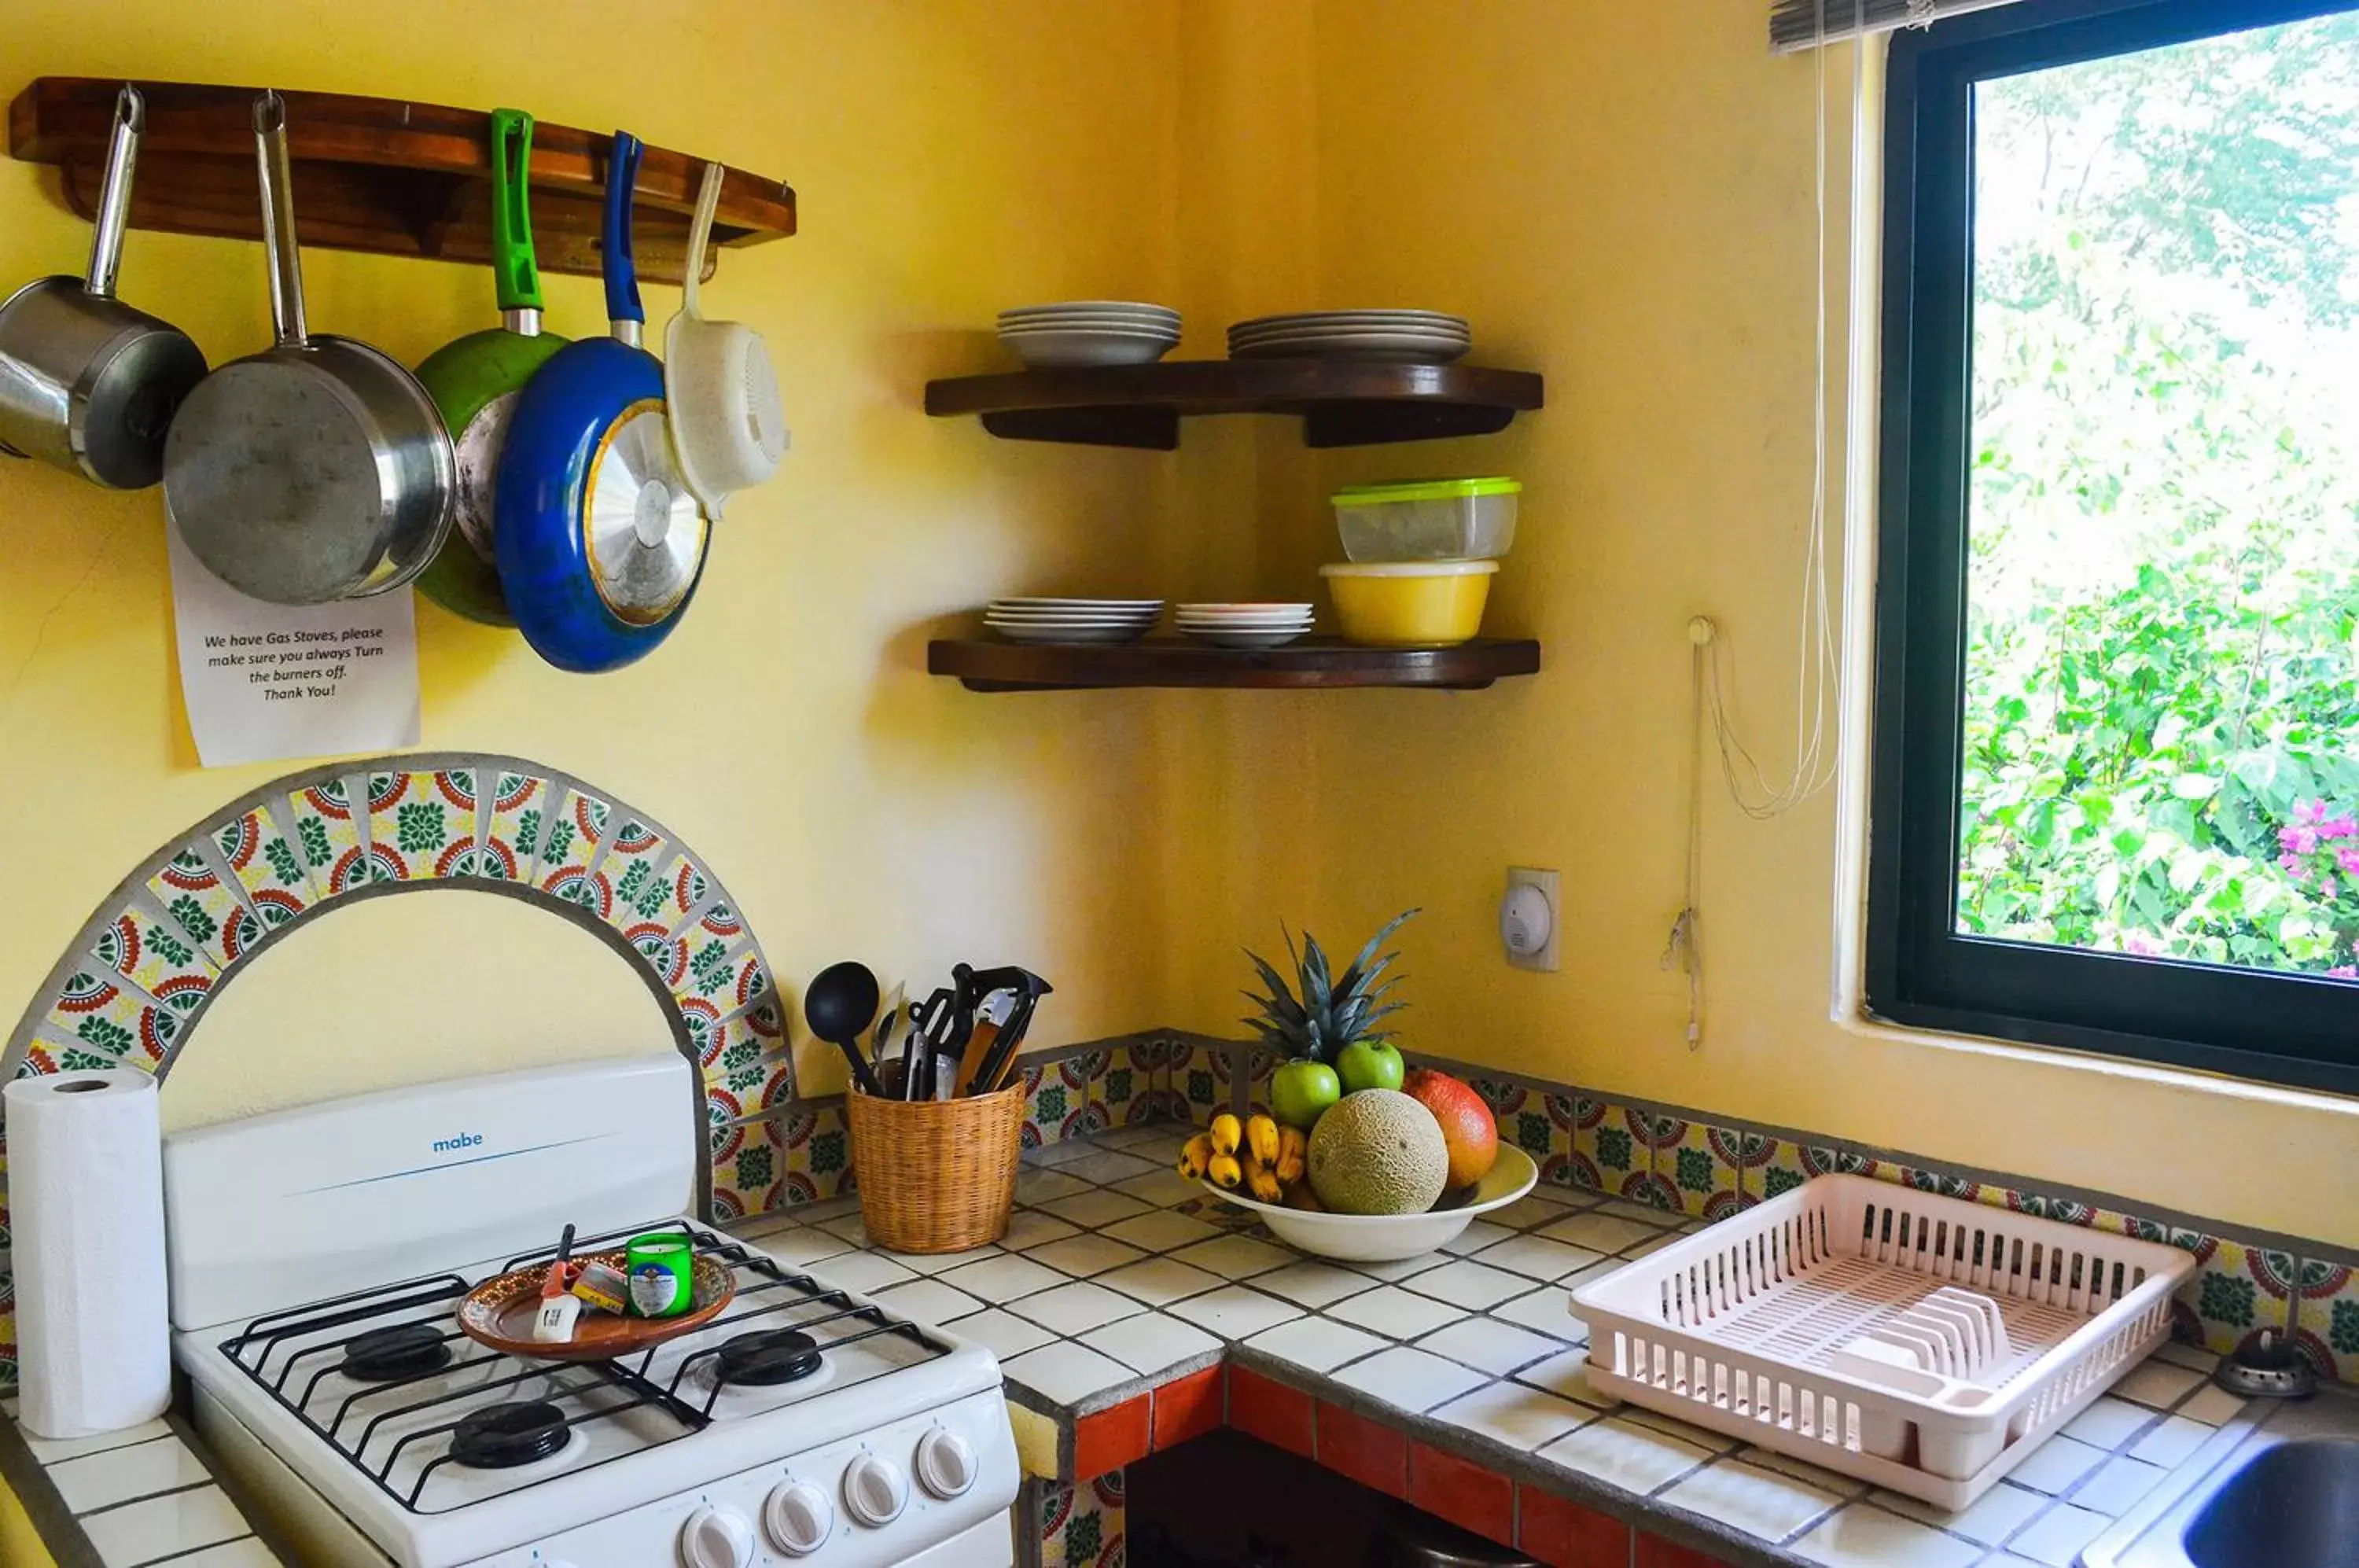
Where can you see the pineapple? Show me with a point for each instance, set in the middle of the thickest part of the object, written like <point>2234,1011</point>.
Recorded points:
<point>1330,1011</point>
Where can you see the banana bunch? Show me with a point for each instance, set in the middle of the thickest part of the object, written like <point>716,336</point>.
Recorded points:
<point>1256,1154</point>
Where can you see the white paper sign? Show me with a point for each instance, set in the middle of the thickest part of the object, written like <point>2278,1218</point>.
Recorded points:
<point>266,682</point>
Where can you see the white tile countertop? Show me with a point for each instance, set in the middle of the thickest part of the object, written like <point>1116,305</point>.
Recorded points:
<point>1117,1276</point>
<point>127,1498</point>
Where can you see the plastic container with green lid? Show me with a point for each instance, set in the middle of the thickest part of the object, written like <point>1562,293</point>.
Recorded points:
<point>1428,519</point>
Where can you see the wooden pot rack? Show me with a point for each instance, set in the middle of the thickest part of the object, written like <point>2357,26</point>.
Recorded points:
<point>378,174</point>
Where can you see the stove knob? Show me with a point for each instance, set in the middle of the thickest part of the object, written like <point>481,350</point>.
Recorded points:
<point>875,1490</point>
<point>800,1517</point>
<point>717,1536</point>
<point>945,1463</point>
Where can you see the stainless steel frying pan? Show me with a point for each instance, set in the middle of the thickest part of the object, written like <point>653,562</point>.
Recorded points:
<point>319,468</point>
<point>87,383</point>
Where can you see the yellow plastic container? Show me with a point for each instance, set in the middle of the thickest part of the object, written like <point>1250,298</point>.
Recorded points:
<point>1409,604</point>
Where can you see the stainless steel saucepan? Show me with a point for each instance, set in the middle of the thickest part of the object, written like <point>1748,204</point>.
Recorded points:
<point>319,468</point>
<point>86,382</point>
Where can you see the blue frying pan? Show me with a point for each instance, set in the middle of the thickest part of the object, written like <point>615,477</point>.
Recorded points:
<point>600,542</point>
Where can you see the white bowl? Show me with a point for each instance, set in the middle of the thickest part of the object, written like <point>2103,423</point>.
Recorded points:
<point>1246,640</point>
<point>1387,1238</point>
<point>1090,346</point>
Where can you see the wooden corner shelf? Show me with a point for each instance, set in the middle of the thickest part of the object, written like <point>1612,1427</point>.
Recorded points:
<point>1341,402</point>
<point>377,174</point>
<point>984,665</point>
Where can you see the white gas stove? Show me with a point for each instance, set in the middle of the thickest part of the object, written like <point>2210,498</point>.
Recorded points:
<point>317,1257</point>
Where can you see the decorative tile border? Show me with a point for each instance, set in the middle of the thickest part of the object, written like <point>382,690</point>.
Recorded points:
<point>137,979</point>
<point>1074,1527</point>
<point>1707,1167</point>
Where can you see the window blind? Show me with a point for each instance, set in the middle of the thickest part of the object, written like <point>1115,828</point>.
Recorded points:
<point>1794,23</point>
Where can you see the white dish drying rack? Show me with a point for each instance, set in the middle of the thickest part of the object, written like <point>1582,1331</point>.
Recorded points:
<point>1922,1343</point>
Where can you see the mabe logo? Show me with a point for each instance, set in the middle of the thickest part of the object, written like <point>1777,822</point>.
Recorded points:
<point>452,1145</point>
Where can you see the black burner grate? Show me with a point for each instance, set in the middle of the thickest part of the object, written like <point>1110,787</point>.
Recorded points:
<point>430,1397</point>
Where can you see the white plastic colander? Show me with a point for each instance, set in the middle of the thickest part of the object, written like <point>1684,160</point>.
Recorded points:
<point>728,424</point>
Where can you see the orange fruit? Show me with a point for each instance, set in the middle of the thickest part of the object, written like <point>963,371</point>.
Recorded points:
<point>1468,1128</point>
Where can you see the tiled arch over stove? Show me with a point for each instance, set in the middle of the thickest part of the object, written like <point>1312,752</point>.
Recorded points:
<point>137,978</point>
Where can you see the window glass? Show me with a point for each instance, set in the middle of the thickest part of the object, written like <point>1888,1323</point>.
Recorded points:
<point>2161,686</point>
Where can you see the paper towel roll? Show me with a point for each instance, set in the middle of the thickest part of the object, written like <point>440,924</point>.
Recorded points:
<point>86,1197</point>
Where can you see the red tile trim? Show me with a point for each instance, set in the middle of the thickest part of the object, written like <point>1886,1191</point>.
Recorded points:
<point>1465,1494</point>
<point>1111,1438</point>
<point>1271,1411</point>
<point>1566,1535</point>
<point>1654,1551</point>
<point>1371,1455</point>
<point>1187,1407</point>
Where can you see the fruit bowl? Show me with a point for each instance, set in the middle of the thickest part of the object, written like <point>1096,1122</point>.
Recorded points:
<point>1387,1238</point>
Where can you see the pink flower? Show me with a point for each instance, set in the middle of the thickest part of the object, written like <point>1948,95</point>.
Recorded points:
<point>2343,972</point>
<point>2348,859</point>
<point>2143,945</point>
<point>2326,886</point>
<point>2345,826</point>
<point>2298,840</point>
<point>2292,865</point>
<point>2310,814</point>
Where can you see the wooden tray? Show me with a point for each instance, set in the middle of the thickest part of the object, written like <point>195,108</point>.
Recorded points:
<point>499,1312</point>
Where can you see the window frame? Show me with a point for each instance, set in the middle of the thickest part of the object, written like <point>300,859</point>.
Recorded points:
<point>1919,972</point>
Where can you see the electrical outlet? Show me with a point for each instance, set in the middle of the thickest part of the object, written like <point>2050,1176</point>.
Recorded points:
<point>1530,919</point>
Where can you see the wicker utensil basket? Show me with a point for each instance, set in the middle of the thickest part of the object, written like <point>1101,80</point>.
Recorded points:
<point>936,1175</point>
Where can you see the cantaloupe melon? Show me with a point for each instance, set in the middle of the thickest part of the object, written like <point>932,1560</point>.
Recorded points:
<point>1378,1152</point>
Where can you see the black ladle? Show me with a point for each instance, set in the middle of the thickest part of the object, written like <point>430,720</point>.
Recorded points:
<point>840,1002</point>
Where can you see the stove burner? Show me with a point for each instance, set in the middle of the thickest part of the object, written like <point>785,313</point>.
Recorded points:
<point>406,1350</point>
<point>500,1437</point>
<point>771,1357</point>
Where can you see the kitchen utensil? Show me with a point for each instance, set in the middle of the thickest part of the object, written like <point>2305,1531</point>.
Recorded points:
<point>1061,347</point>
<point>1430,519</point>
<point>1029,988</point>
<point>475,381</point>
<point>935,1023</point>
<point>87,383</point>
<point>1090,309</point>
<point>839,1004</point>
<point>728,426</point>
<point>1409,604</point>
<point>318,469</point>
<point>500,1311</point>
<point>559,1308</point>
<point>987,1031</point>
<point>599,539</point>
<point>1384,1238</point>
<point>1948,1363</point>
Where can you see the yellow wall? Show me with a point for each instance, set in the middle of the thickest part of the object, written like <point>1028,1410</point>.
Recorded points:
<point>1617,194</point>
<point>20,1546</point>
<point>951,158</point>
<point>1620,195</point>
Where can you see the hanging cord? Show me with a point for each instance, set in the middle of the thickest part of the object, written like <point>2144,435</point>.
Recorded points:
<point>1818,679</point>
<point>1684,951</point>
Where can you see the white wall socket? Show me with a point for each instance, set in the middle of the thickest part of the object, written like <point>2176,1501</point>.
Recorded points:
<point>1530,919</point>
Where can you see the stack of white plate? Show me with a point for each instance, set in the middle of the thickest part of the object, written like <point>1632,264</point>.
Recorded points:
<point>1244,625</point>
<point>1073,620</point>
<point>1413,337</point>
<point>1090,331</point>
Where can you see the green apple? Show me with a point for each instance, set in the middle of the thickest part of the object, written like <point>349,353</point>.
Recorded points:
<point>1300,1092</point>
<point>1369,1064</point>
